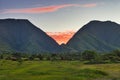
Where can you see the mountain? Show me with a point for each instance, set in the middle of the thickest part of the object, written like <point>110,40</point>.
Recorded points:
<point>101,36</point>
<point>20,35</point>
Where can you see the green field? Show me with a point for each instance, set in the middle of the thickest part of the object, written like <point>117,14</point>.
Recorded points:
<point>58,70</point>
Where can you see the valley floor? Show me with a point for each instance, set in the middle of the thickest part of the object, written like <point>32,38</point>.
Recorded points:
<point>57,70</point>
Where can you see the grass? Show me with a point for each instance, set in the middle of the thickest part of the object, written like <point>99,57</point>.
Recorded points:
<point>57,70</point>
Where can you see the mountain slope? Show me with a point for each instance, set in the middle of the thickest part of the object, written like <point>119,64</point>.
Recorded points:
<point>20,35</point>
<point>97,35</point>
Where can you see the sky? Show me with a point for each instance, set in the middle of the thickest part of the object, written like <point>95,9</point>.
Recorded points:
<point>60,17</point>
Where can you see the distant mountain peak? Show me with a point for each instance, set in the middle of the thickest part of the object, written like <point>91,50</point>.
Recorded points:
<point>21,35</point>
<point>101,22</point>
<point>13,19</point>
<point>97,35</point>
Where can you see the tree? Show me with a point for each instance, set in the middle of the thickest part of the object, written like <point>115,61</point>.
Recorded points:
<point>31,57</point>
<point>89,55</point>
<point>1,56</point>
<point>116,52</point>
<point>113,56</point>
<point>17,55</point>
<point>53,57</point>
<point>40,57</point>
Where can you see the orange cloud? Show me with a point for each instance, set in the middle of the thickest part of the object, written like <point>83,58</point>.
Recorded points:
<point>46,9</point>
<point>61,37</point>
<point>39,9</point>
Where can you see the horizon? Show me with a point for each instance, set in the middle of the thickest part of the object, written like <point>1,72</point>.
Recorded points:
<point>60,16</point>
<point>61,37</point>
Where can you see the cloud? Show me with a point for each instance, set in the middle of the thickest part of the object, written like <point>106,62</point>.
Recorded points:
<point>89,5</point>
<point>46,9</point>
<point>39,9</point>
<point>61,37</point>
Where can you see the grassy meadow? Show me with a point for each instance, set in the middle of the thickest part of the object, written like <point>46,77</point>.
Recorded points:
<point>57,70</point>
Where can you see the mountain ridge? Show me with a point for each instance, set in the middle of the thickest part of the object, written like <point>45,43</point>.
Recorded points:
<point>95,35</point>
<point>22,36</point>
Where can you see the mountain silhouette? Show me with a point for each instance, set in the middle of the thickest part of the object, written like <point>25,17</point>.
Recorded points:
<point>101,36</point>
<point>20,35</point>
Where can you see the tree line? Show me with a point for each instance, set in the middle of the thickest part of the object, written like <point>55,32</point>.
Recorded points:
<point>86,56</point>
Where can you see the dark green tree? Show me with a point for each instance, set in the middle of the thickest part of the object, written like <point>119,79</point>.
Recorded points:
<point>40,56</point>
<point>1,56</point>
<point>89,55</point>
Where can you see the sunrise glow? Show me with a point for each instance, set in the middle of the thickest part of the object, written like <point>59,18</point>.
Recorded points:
<point>61,37</point>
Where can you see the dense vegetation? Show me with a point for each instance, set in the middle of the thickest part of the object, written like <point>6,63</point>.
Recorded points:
<point>88,65</point>
<point>86,56</point>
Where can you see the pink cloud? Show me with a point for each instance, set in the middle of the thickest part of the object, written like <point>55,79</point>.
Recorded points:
<point>39,9</point>
<point>46,9</point>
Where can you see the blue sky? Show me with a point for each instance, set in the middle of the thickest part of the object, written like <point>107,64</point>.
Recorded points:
<point>61,15</point>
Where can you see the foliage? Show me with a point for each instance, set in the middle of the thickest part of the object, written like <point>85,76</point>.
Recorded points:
<point>60,66</point>
<point>90,57</point>
<point>63,70</point>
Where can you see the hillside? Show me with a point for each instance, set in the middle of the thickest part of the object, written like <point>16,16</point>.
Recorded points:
<point>101,36</point>
<point>20,35</point>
